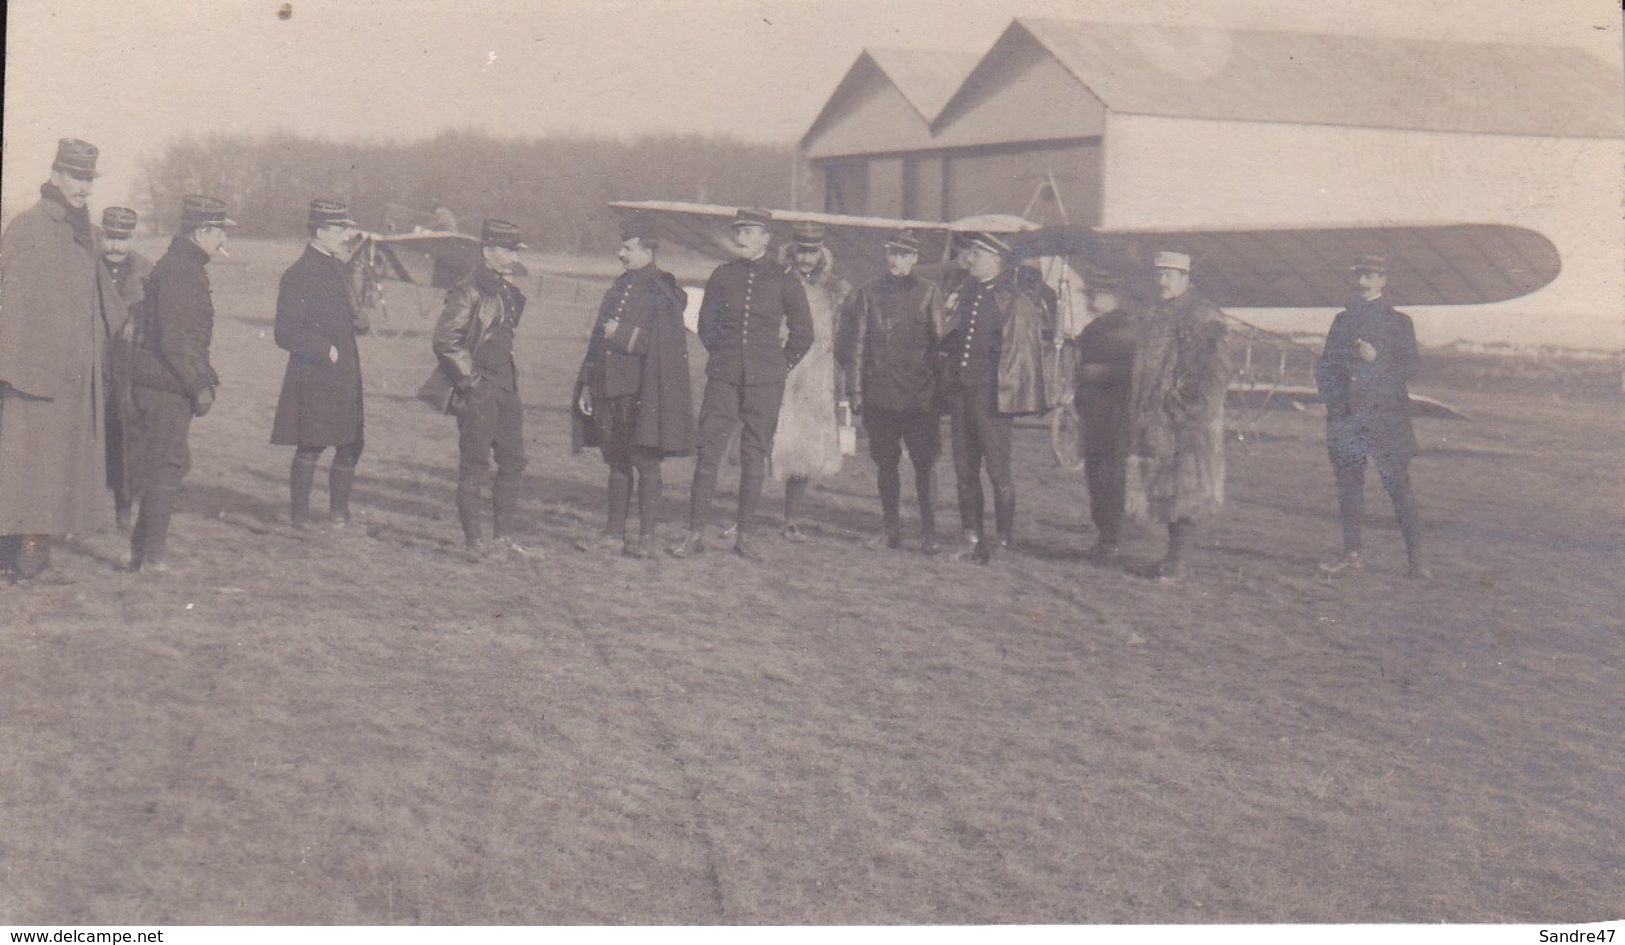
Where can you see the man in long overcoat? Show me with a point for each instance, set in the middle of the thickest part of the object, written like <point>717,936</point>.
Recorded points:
<point>58,306</point>
<point>632,397</point>
<point>1363,375</point>
<point>171,379</point>
<point>129,270</point>
<point>991,371</point>
<point>320,405</point>
<point>1105,351</point>
<point>1175,472</point>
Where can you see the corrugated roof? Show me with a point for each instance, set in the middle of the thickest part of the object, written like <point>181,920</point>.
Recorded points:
<point>928,78</point>
<point>1317,78</point>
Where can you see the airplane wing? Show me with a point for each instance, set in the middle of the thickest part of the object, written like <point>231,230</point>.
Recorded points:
<point>428,257</point>
<point>1429,264</point>
<point>1297,396</point>
<point>857,242</point>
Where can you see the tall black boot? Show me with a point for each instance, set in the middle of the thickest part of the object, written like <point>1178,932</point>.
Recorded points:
<point>1179,536</point>
<point>925,488</point>
<point>301,476</point>
<point>340,479</point>
<point>504,504</point>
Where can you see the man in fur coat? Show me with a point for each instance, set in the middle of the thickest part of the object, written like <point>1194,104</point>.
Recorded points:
<point>807,444</point>
<point>632,396</point>
<point>1175,472</point>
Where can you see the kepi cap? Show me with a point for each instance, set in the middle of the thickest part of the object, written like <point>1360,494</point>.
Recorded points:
<point>501,233</point>
<point>119,222</point>
<point>808,235</point>
<point>904,241</point>
<point>988,241</point>
<point>1167,259</point>
<point>198,210</point>
<point>324,212</point>
<point>76,157</point>
<point>1370,262</point>
<point>751,216</point>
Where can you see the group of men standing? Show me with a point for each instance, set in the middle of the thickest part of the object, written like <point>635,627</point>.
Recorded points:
<point>104,362</point>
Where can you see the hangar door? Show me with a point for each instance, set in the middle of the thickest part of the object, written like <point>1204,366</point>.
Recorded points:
<point>1015,179</point>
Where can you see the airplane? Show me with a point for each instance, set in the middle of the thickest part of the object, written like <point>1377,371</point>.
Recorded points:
<point>1254,267</point>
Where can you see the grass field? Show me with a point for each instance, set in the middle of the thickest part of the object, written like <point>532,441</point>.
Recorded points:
<point>365,728</point>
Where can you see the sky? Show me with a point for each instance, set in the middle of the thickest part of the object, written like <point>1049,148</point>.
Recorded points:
<point>131,77</point>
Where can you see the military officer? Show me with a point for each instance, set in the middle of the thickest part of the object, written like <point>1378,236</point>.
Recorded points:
<point>748,302</point>
<point>632,396</point>
<point>895,322</point>
<point>58,306</point>
<point>1363,375</point>
<point>130,271</point>
<point>1175,471</point>
<point>991,371</point>
<point>171,378</point>
<point>321,402</point>
<point>474,344</point>
<point>1105,350</point>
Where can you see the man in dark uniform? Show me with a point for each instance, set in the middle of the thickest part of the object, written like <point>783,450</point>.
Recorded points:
<point>171,378</point>
<point>632,395</point>
<point>320,404</point>
<point>748,301</point>
<point>1105,362</point>
<point>474,342</point>
<point>130,271</point>
<point>991,371</point>
<point>1363,375</point>
<point>891,381</point>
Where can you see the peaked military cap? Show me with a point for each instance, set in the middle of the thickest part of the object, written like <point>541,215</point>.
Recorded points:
<point>198,210</point>
<point>987,241</point>
<point>809,235</point>
<point>501,233</point>
<point>638,226</point>
<point>324,212</point>
<point>905,241</point>
<point>118,222</point>
<point>76,157</point>
<point>1370,262</point>
<point>750,216</point>
<point>1167,259</point>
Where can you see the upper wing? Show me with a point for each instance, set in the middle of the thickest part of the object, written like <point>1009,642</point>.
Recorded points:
<point>1429,264</point>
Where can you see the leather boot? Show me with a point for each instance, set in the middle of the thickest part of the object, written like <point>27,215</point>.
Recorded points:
<point>340,480</point>
<point>301,475</point>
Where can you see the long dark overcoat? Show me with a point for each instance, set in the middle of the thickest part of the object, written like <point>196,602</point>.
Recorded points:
<point>665,416</point>
<point>57,307</point>
<point>321,398</point>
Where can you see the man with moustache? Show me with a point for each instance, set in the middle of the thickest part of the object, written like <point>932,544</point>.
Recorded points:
<point>321,401</point>
<point>171,378</point>
<point>130,271</point>
<point>1363,375</point>
<point>748,301</point>
<point>58,307</point>
<point>1175,472</point>
<point>474,344</point>
<point>632,395</point>
<point>896,321</point>
<point>991,371</point>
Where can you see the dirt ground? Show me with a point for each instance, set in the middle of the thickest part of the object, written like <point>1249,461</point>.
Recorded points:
<point>365,728</point>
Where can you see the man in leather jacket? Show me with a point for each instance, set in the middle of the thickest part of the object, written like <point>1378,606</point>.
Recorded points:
<point>474,342</point>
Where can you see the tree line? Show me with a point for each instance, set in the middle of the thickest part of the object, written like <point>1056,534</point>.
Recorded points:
<point>554,188</point>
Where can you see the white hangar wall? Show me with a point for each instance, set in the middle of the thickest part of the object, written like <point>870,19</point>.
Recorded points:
<point>1179,172</point>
